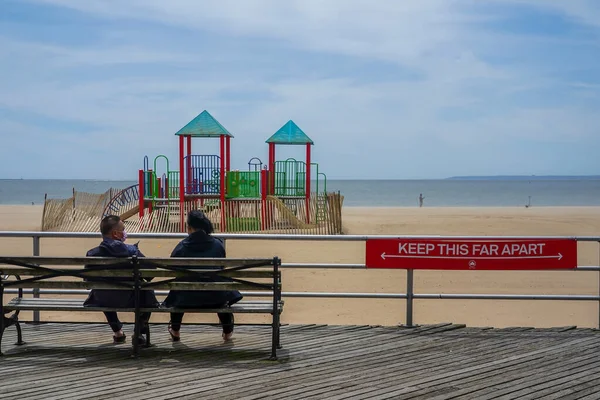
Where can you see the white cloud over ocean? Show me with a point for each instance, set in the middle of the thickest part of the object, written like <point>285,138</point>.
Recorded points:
<point>406,89</point>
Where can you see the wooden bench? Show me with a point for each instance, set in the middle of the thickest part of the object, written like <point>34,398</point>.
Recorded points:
<point>259,275</point>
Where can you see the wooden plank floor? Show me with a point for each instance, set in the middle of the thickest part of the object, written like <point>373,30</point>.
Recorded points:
<point>445,361</point>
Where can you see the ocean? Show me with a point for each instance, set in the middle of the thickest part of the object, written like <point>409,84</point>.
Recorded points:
<point>373,193</point>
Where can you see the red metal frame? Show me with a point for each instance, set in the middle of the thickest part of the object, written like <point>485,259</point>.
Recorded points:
<point>181,183</point>
<point>141,192</point>
<point>228,154</point>
<point>222,176</point>
<point>263,197</point>
<point>308,183</point>
<point>271,188</point>
<point>189,162</point>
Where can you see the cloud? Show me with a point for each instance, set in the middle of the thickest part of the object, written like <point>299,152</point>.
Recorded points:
<point>395,85</point>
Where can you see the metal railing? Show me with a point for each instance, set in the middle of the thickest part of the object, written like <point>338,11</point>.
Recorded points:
<point>409,296</point>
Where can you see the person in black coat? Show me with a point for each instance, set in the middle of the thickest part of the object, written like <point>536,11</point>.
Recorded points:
<point>201,243</point>
<point>113,245</point>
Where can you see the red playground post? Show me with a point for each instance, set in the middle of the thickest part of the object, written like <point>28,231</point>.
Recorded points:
<point>228,148</point>
<point>181,184</point>
<point>222,182</point>
<point>188,170</point>
<point>263,199</point>
<point>271,168</point>
<point>141,193</point>
<point>308,183</point>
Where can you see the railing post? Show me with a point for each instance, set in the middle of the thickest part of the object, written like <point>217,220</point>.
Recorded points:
<point>409,298</point>
<point>276,317</point>
<point>36,291</point>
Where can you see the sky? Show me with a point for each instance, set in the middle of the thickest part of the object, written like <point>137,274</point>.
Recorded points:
<point>409,89</point>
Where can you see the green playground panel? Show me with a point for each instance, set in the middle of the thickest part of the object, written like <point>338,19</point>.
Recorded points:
<point>235,224</point>
<point>243,184</point>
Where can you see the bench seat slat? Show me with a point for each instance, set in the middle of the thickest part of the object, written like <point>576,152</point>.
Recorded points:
<point>251,306</point>
<point>225,262</point>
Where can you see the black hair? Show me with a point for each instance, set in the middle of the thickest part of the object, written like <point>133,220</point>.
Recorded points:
<point>108,224</point>
<point>196,219</point>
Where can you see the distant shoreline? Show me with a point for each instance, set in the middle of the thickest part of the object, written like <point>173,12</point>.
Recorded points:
<point>525,178</point>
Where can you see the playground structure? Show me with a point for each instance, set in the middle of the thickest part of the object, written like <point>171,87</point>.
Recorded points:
<point>280,196</point>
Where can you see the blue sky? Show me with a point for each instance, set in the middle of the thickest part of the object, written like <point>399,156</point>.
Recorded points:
<point>401,90</point>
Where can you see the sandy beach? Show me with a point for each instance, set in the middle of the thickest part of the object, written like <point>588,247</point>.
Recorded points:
<point>572,221</point>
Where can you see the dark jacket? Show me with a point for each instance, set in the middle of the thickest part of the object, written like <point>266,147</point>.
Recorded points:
<point>117,298</point>
<point>201,245</point>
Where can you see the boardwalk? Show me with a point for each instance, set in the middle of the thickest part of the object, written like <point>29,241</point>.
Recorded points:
<point>76,361</point>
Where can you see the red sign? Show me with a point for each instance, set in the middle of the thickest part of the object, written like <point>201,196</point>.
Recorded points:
<point>474,254</point>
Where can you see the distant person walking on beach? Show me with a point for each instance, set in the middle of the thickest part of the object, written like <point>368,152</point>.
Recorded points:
<point>421,198</point>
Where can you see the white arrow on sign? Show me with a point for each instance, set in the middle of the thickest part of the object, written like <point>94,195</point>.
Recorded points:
<point>384,256</point>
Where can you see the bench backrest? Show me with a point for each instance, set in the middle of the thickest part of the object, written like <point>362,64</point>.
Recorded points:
<point>131,272</point>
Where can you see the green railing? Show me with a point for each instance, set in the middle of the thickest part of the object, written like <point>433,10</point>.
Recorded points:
<point>290,178</point>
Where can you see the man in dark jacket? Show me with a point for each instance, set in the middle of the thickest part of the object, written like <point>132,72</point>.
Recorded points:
<point>113,245</point>
<point>200,243</point>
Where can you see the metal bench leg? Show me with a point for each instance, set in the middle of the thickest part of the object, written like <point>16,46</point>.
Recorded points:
<point>275,336</point>
<point>279,336</point>
<point>274,339</point>
<point>3,319</point>
<point>3,324</point>
<point>17,324</point>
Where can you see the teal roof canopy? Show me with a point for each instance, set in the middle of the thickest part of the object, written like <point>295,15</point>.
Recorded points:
<point>290,133</point>
<point>204,125</point>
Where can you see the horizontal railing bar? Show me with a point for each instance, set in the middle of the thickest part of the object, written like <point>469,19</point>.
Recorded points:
<point>322,266</point>
<point>453,296</point>
<point>6,260</point>
<point>424,296</point>
<point>363,266</point>
<point>588,268</point>
<point>345,295</point>
<point>144,273</point>
<point>74,292</point>
<point>268,236</point>
<point>168,261</point>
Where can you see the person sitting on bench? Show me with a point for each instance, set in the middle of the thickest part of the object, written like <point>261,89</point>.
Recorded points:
<point>113,245</point>
<point>201,243</point>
